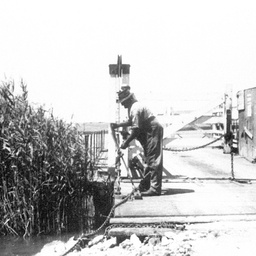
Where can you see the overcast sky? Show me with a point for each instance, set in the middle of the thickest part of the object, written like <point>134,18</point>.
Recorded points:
<point>182,53</point>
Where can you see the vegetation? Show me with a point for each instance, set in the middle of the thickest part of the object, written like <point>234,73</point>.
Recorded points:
<point>44,176</point>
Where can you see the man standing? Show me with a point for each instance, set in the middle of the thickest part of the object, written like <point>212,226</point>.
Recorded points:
<point>149,132</point>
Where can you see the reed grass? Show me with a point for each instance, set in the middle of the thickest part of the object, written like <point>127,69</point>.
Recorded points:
<point>44,170</point>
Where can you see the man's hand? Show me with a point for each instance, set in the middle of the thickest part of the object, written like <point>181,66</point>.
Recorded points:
<point>114,125</point>
<point>124,145</point>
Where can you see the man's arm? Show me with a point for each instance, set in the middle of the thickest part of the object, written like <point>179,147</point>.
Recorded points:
<point>124,124</point>
<point>131,137</point>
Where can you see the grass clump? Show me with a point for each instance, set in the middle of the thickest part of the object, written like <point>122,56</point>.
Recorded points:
<point>44,183</point>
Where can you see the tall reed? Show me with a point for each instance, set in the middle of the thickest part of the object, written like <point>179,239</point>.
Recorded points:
<point>43,169</point>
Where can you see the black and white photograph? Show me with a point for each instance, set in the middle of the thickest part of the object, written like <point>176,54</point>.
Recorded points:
<point>127,127</point>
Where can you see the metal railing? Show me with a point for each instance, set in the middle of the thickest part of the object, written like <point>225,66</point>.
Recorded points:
<point>95,143</point>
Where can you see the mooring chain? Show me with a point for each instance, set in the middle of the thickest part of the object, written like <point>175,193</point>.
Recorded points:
<point>194,148</point>
<point>232,165</point>
<point>84,236</point>
<point>203,146</point>
<point>158,225</point>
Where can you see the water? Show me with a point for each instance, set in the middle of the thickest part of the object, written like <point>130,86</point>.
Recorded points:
<point>16,246</point>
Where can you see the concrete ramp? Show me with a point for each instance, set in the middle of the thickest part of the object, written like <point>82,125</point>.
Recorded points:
<point>199,201</point>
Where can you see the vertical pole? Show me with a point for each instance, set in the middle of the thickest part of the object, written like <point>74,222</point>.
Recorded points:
<point>86,153</point>
<point>228,137</point>
<point>119,76</point>
<point>95,146</point>
<point>112,116</point>
<point>117,73</point>
<point>91,152</point>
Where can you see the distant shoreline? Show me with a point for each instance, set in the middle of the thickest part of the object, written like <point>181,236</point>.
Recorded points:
<point>92,126</point>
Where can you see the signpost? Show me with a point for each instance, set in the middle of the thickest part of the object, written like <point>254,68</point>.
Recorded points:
<point>228,138</point>
<point>119,77</point>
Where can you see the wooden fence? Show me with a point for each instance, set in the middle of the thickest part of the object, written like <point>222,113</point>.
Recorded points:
<point>95,143</point>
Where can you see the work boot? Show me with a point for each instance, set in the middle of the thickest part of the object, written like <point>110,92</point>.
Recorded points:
<point>150,192</point>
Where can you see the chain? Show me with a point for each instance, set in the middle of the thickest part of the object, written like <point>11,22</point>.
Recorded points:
<point>189,149</point>
<point>152,225</point>
<point>86,236</point>
<point>232,165</point>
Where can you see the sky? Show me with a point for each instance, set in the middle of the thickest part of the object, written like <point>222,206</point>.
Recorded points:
<point>183,54</point>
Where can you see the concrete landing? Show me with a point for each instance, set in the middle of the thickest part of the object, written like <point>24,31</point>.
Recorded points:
<point>191,201</point>
<point>198,186</point>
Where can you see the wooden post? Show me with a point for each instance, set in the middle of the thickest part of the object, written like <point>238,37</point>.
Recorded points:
<point>228,138</point>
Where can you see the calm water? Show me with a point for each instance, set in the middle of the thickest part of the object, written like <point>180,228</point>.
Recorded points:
<point>13,246</point>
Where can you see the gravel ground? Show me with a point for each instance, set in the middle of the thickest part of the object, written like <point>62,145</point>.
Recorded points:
<point>219,238</point>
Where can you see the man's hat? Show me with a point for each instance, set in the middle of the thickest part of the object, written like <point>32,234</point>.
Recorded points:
<point>124,95</point>
<point>125,87</point>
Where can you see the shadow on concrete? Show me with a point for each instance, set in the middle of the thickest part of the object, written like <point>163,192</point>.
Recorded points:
<point>137,174</point>
<point>174,191</point>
